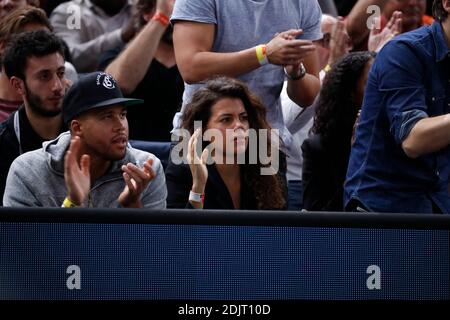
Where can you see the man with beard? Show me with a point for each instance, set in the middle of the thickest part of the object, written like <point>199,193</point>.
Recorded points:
<point>34,62</point>
<point>146,69</point>
<point>21,20</point>
<point>93,165</point>
<point>90,27</point>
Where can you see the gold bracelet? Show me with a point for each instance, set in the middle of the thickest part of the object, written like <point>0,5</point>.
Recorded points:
<point>68,203</point>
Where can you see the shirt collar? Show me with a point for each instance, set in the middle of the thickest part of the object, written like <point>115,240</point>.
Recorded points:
<point>442,50</point>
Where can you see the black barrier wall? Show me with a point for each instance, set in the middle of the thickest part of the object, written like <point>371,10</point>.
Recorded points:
<point>79,254</point>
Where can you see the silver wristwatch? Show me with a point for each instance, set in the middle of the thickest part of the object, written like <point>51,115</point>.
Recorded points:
<point>299,76</point>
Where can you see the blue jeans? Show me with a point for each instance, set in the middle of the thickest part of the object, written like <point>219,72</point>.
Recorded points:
<point>295,194</point>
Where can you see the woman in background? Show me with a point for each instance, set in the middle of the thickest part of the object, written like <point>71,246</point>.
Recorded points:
<point>326,152</point>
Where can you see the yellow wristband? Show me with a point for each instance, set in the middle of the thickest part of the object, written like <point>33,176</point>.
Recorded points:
<point>68,203</point>
<point>261,54</point>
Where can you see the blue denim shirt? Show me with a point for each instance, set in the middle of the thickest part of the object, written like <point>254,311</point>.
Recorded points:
<point>409,81</point>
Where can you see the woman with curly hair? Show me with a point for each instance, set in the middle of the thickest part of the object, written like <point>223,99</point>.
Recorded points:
<point>227,107</point>
<point>326,152</point>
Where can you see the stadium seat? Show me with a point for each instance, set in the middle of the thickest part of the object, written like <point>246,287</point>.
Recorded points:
<point>159,149</point>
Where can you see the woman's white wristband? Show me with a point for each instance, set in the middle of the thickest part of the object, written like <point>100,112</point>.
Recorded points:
<point>196,197</point>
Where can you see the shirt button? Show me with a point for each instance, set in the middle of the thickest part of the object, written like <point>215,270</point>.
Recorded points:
<point>433,99</point>
<point>437,173</point>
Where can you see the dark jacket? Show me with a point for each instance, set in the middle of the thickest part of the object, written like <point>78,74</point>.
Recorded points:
<point>323,175</point>
<point>179,184</point>
<point>10,147</point>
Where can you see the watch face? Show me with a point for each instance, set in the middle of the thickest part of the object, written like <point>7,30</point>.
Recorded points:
<point>302,69</point>
<point>298,76</point>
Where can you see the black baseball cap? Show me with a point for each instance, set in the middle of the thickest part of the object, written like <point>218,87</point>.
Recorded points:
<point>93,90</point>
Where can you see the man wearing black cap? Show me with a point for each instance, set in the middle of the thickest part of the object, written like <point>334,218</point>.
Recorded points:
<point>93,165</point>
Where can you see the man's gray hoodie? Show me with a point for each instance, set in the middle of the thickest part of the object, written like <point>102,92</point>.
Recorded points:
<point>36,179</point>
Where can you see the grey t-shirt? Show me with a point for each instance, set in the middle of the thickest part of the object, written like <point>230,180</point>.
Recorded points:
<point>243,24</point>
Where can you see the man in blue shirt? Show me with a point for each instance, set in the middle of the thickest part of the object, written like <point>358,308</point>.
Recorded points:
<point>400,161</point>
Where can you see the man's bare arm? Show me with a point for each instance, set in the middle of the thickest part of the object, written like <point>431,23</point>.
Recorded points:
<point>193,43</point>
<point>427,136</point>
<point>304,91</point>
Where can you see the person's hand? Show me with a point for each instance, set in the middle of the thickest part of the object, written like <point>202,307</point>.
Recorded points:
<point>165,6</point>
<point>136,180</point>
<point>76,174</point>
<point>378,38</point>
<point>284,49</point>
<point>339,42</point>
<point>197,164</point>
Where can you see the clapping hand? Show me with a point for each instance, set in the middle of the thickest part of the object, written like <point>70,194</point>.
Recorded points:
<point>378,38</point>
<point>136,180</point>
<point>197,163</point>
<point>76,172</point>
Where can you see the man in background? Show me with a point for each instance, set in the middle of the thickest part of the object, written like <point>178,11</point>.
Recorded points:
<point>34,63</point>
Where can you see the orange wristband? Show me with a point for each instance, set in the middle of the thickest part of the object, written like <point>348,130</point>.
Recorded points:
<point>161,18</point>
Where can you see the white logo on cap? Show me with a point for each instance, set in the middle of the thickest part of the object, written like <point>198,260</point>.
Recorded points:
<point>108,81</point>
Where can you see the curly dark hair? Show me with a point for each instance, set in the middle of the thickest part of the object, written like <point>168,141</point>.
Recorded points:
<point>337,110</point>
<point>267,189</point>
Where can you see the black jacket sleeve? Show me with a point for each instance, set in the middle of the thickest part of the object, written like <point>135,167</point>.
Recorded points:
<point>322,189</point>
<point>179,184</point>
